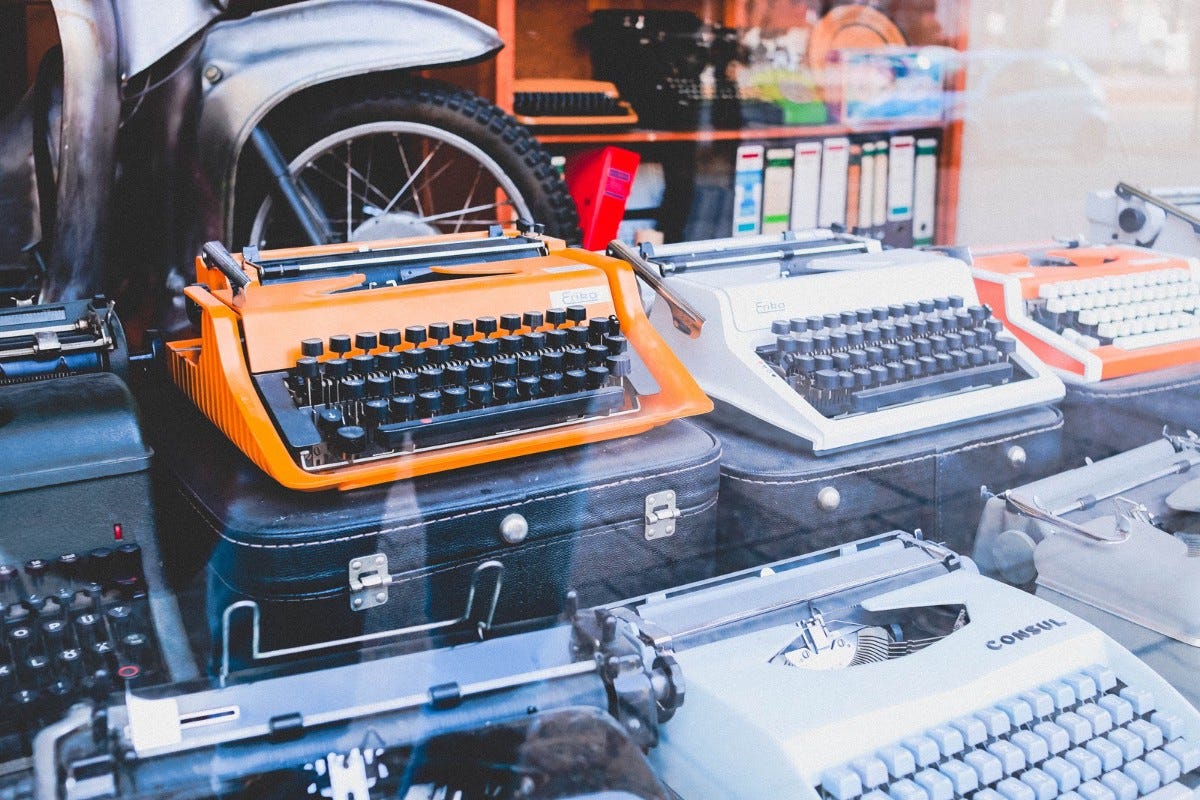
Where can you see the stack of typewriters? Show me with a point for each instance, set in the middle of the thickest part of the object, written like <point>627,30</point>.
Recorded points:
<point>488,516</point>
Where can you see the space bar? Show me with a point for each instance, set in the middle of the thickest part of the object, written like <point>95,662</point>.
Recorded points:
<point>931,386</point>
<point>1172,791</point>
<point>1139,340</point>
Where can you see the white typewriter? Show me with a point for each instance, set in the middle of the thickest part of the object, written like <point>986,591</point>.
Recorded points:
<point>834,341</point>
<point>1117,542</point>
<point>891,669</point>
<point>1167,219</point>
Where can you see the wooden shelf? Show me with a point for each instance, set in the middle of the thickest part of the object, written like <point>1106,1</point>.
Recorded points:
<point>731,135</point>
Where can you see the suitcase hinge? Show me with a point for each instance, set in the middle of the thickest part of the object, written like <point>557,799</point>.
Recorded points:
<point>369,579</point>
<point>661,514</point>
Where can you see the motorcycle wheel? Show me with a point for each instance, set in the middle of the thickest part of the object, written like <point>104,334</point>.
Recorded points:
<point>423,159</point>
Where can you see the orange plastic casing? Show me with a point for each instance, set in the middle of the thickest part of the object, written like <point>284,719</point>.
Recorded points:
<point>260,329</point>
<point>994,270</point>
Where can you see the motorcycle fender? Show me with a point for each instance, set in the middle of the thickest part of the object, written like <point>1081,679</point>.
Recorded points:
<point>249,65</point>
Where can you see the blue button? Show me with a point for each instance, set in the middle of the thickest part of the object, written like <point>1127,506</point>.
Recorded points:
<point>898,760</point>
<point>1120,784</point>
<point>1145,776</point>
<point>1013,789</point>
<point>935,784</point>
<point>1064,773</point>
<point>841,783</point>
<point>1087,762</point>
<point>961,776</point>
<point>1044,787</point>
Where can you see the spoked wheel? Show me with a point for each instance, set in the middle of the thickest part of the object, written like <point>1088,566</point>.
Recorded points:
<point>426,160</point>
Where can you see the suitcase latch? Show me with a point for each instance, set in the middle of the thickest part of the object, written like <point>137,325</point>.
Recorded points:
<point>661,514</point>
<point>369,579</point>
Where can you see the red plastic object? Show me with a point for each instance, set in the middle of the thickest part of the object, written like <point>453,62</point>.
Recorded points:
<point>599,182</point>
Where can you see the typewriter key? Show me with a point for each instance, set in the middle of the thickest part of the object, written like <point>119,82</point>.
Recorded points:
<point>390,337</point>
<point>576,314</point>
<point>510,323</point>
<point>366,340</point>
<point>340,344</point>
<point>556,316</point>
<point>486,325</point>
<point>439,331</point>
<point>312,347</point>
<point>463,328</point>
<point>532,319</point>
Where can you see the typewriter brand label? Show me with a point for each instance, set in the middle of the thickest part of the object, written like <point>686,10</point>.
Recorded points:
<point>1024,633</point>
<point>580,296</point>
<point>769,306</point>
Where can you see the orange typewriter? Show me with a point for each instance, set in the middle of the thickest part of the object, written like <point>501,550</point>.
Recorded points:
<point>1095,313</point>
<point>350,365</point>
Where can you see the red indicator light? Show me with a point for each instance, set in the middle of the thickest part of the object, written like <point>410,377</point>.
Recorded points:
<point>118,531</point>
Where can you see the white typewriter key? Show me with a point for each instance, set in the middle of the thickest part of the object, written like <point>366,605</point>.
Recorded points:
<point>963,777</point>
<point>1078,728</point>
<point>986,766</point>
<point>1013,789</point>
<point>1170,725</point>
<point>987,794</point>
<point>1041,703</point>
<point>906,790</point>
<point>1018,711</point>
<point>1070,796</point>
<point>1056,738</point>
<point>1109,754</point>
<point>1130,745</point>
<point>972,730</point>
<point>1150,735</point>
<point>1011,758</point>
<point>1094,790</point>
<point>841,783</point>
<point>1120,784</point>
<point>1047,291</point>
<point>1044,787</point>
<point>1087,762</point>
<point>871,771</point>
<point>949,741</point>
<point>1033,746</point>
<point>1145,776</point>
<point>1064,773</point>
<point>924,750</point>
<point>899,761</point>
<point>1100,720</point>
<point>935,784</point>
<point>1119,707</point>
<point>1141,700</point>
<point>875,794</point>
<point>995,720</point>
<point>1186,753</point>
<point>1166,766</point>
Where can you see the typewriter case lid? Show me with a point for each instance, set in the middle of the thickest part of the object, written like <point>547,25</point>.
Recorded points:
<point>68,429</point>
<point>1149,579</point>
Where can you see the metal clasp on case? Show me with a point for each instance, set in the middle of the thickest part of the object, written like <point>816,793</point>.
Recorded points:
<point>661,514</point>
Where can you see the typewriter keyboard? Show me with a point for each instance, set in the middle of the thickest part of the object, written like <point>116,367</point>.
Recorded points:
<point>363,396</point>
<point>1086,736</point>
<point>74,627</point>
<point>857,361</point>
<point>1132,311</point>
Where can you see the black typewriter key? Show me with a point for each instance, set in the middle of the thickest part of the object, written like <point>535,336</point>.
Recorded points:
<point>896,310</point>
<point>439,331</point>
<point>926,305</point>
<point>431,378</point>
<point>376,412</point>
<point>994,325</point>
<point>462,351</point>
<point>879,313</point>
<point>487,348</point>
<point>955,301</point>
<point>577,336</point>
<point>336,368</point>
<point>923,345</point>
<point>841,361</point>
<point>350,439</point>
<point>21,643</point>
<point>614,325</point>
<point>823,361</point>
<point>552,384</point>
<point>596,353</point>
<point>556,316</point>
<point>963,319</point>
<point>457,375</point>
<point>983,336</point>
<point>784,344</point>
<point>596,377</point>
<point>574,380</point>
<point>979,313</point>
<point>389,361</point>
<point>378,386</point>
<point>863,378</point>
<point>798,324</point>
<point>805,344</point>
<point>100,564</point>
<point>804,365</point>
<point>887,330</point>
<point>454,399</point>
<point>64,597</point>
<point>991,354</point>
<point>854,337</point>
<point>904,329</point>
<point>428,404</point>
<point>462,328</point>
<point>367,340</point>
<point>597,329</point>
<point>938,343</point>
<point>529,387</point>
<point>944,362</point>
<point>618,366</point>
<point>920,327</point>
<point>845,379</point>
<point>307,368</point>
<point>353,389</point>
<point>54,635</point>
<point>486,325</point>
<point>815,322</point>
<point>574,358</point>
<point>1006,345</point>
<point>480,372</point>
<point>908,349</point>
<point>556,339</point>
<point>405,383</point>
<point>953,341</point>
<point>975,355</point>
<point>329,420</point>
<point>510,323</point>
<point>961,359</point>
<point>8,680</point>
<point>438,355</point>
<point>362,364</point>
<point>941,303</point>
<point>532,319</point>
<point>912,309</point>
<point>838,340</point>
<point>339,343</point>
<point>576,314</point>
<point>531,364</point>
<point>827,379</point>
<point>552,361</point>
<point>858,357</point>
<point>510,344</point>
<point>390,337</point>
<point>848,317</point>
<point>313,348</point>
<point>820,341</point>
<point>414,334</point>
<point>968,338</point>
<point>863,314</point>
<point>781,327</point>
<point>874,355</point>
<point>504,391</point>
<point>831,320</point>
<point>480,394</point>
<point>504,369</point>
<point>38,673</point>
<point>929,365</point>
<point>533,341</point>
<point>895,371</point>
<point>934,324</point>
<point>879,373</point>
<point>402,407</point>
<point>414,359</point>
<point>912,368</point>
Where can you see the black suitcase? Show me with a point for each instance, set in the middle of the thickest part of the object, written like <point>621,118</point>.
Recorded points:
<point>778,501</point>
<point>610,520</point>
<point>1119,414</point>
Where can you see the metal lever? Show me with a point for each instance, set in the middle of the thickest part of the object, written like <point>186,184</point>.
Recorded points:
<point>687,319</point>
<point>217,257</point>
<point>1125,191</point>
